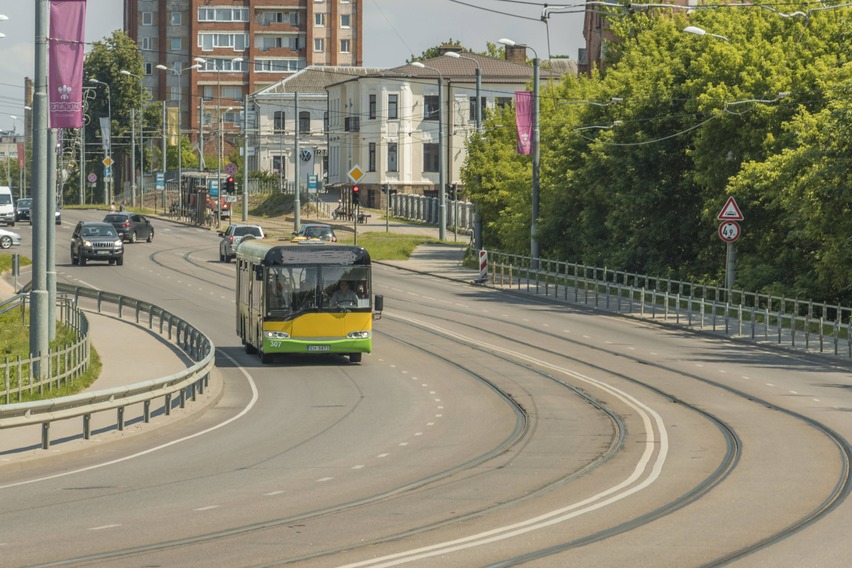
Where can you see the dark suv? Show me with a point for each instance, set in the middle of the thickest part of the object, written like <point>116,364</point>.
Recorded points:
<point>131,226</point>
<point>96,241</point>
<point>22,209</point>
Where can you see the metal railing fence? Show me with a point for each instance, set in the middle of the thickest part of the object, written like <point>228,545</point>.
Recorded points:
<point>45,372</point>
<point>803,325</point>
<point>184,385</point>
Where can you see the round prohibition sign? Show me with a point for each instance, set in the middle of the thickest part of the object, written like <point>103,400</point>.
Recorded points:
<point>729,231</point>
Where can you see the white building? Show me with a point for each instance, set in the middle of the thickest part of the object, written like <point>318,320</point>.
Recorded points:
<point>387,123</point>
<point>292,116</point>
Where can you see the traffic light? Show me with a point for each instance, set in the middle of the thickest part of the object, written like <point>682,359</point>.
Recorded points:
<point>356,195</point>
<point>229,185</point>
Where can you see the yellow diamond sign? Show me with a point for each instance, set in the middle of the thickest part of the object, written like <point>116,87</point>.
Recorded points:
<point>107,161</point>
<point>355,174</point>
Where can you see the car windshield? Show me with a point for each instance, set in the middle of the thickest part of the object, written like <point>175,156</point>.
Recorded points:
<point>99,232</point>
<point>243,231</point>
<point>24,202</point>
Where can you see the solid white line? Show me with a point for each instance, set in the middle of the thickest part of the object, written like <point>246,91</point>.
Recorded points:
<point>243,412</point>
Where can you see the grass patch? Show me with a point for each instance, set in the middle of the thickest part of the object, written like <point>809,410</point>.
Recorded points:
<point>386,246</point>
<point>15,342</point>
<point>6,261</point>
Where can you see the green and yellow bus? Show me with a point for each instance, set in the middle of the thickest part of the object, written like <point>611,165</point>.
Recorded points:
<point>305,298</point>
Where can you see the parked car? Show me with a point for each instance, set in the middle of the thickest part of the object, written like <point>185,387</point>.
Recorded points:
<point>22,209</point>
<point>232,236</point>
<point>131,226</point>
<point>96,241</point>
<point>8,238</point>
<point>314,232</point>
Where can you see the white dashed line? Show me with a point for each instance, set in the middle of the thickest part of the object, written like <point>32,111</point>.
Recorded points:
<point>272,493</point>
<point>104,527</point>
<point>403,443</point>
<point>323,479</point>
<point>770,385</point>
<point>357,467</point>
<point>382,455</point>
<point>208,508</point>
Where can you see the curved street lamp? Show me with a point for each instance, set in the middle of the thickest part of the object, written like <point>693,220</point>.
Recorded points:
<point>478,86</point>
<point>442,191</point>
<point>178,71</point>
<point>699,31</point>
<point>535,251</point>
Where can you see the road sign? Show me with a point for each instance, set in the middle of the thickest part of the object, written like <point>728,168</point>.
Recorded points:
<point>107,161</point>
<point>729,231</point>
<point>231,169</point>
<point>730,212</point>
<point>355,174</point>
<point>161,181</point>
<point>214,188</point>
<point>92,178</point>
<point>107,172</point>
<point>312,182</point>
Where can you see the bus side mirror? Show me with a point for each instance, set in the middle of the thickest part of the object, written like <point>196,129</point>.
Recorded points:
<point>378,305</point>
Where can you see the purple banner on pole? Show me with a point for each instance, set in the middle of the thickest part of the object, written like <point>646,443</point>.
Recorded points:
<point>65,62</point>
<point>524,120</point>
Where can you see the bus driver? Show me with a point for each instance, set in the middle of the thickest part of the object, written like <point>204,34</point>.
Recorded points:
<point>344,296</point>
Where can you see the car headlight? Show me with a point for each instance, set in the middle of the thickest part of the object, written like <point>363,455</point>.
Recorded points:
<point>87,244</point>
<point>276,335</point>
<point>359,335</point>
<point>118,244</point>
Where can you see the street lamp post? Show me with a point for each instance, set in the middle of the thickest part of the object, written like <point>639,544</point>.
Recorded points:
<point>219,165</point>
<point>133,143</point>
<point>535,252</point>
<point>21,159</point>
<point>178,71</point>
<point>442,190</point>
<point>106,139</point>
<point>478,109</point>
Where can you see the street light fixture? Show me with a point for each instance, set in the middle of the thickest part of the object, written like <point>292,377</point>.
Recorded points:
<point>133,144</point>
<point>21,159</point>
<point>699,31</point>
<point>478,86</point>
<point>106,140</point>
<point>178,71</point>
<point>442,190</point>
<point>535,251</point>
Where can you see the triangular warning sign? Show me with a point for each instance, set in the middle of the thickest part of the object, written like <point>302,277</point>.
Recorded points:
<point>730,212</point>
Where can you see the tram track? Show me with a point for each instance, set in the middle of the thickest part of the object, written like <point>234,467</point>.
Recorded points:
<point>840,492</point>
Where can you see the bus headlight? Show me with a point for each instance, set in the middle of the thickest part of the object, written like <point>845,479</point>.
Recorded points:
<point>276,335</point>
<point>359,335</point>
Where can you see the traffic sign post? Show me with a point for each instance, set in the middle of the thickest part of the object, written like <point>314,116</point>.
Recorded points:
<point>729,231</point>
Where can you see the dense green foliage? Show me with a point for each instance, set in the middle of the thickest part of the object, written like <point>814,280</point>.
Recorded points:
<point>637,184</point>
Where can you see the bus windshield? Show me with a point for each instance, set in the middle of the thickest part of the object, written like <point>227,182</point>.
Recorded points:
<point>293,290</point>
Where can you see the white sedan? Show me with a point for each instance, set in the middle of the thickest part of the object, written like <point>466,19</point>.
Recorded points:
<point>8,238</point>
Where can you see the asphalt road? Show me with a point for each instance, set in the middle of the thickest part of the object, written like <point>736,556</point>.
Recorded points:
<point>486,429</point>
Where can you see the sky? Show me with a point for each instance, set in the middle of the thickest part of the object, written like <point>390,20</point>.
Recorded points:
<point>393,31</point>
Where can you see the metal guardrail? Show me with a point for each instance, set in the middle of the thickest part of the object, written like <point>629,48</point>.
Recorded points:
<point>186,384</point>
<point>50,370</point>
<point>802,325</point>
<point>427,210</point>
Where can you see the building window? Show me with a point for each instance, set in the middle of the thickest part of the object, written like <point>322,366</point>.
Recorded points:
<point>147,18</point>
<point>473,107</point>
<point>345,45</point>
<point>325,121</point>
<point>319,19</point>
<point>304,122</point>
<point>345,20</point>
<point>278,163</point>
<point>176,43</point>
<point>392,157</point>
<point>174,18</point>
<point>371,158</point>
<point>278,121</point>
<point>210,41</point>
<point>232,93</point>
<point>146,43</point>
<point>149,69</point>
<point>223,14</point>
<point>372,106</point>
<point>319,45</point>
<point>393,106</point>
<point>431,110</point>
<point>501,102</point>
<point>430,157</point>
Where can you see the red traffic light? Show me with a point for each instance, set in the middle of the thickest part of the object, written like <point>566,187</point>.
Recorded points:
<point>356,194</point>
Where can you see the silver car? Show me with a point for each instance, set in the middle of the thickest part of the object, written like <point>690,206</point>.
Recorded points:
<point>232,236</point>
<point>9,238</point>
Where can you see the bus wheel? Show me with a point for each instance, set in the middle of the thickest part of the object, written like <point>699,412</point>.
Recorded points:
<point>355,357</point>
<point>265,358</point>
<point>250,349</point>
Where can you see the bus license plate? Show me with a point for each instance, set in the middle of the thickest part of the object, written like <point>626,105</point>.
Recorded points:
<point>318,347</point>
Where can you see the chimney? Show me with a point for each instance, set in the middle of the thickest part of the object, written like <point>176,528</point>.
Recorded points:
<point>516,54</point>
<point>442,50</point>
